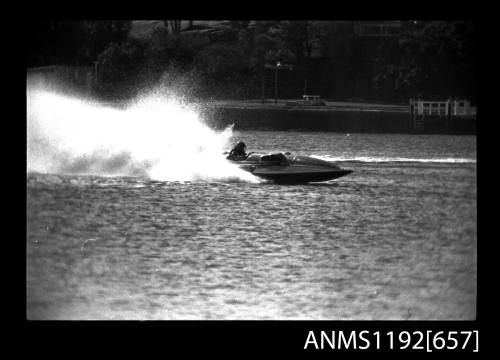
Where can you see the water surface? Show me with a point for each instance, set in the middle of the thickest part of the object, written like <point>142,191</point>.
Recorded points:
<point>396,239</point>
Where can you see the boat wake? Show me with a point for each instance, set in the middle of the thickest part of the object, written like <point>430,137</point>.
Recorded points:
<point>367,159</point>
<point>152,137</point>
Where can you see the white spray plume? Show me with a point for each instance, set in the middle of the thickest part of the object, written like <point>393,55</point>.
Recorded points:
<point>154,137</point>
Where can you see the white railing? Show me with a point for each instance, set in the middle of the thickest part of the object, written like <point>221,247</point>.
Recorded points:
<point>441,108</point>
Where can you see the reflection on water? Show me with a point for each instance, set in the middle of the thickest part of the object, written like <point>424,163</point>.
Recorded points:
<point>389,241</point>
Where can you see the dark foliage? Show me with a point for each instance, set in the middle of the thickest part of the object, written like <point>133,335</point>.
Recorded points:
<point>329,58</point>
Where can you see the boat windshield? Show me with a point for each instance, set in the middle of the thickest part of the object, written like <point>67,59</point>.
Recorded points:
<point>307,160</point>
<point>274,157</point>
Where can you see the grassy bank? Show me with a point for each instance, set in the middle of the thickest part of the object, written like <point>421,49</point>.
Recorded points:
<point>329,105</point>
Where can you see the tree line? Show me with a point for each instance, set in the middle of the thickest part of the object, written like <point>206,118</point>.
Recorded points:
<point>329,58</point>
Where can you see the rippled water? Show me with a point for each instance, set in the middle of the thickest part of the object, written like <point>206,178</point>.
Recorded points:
<point>396,239</point>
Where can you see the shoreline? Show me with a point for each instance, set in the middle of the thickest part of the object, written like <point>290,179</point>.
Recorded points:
<point>334,116</point>
<point>329,105</point>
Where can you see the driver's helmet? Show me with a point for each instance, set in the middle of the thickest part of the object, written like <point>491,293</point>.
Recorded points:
<point>241,145</point>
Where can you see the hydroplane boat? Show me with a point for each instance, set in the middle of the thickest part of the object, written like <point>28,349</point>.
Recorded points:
<point>289,168</point>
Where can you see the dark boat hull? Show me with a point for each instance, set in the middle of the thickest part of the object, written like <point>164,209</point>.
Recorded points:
<point>302,177</point>
<point>291,168</point>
